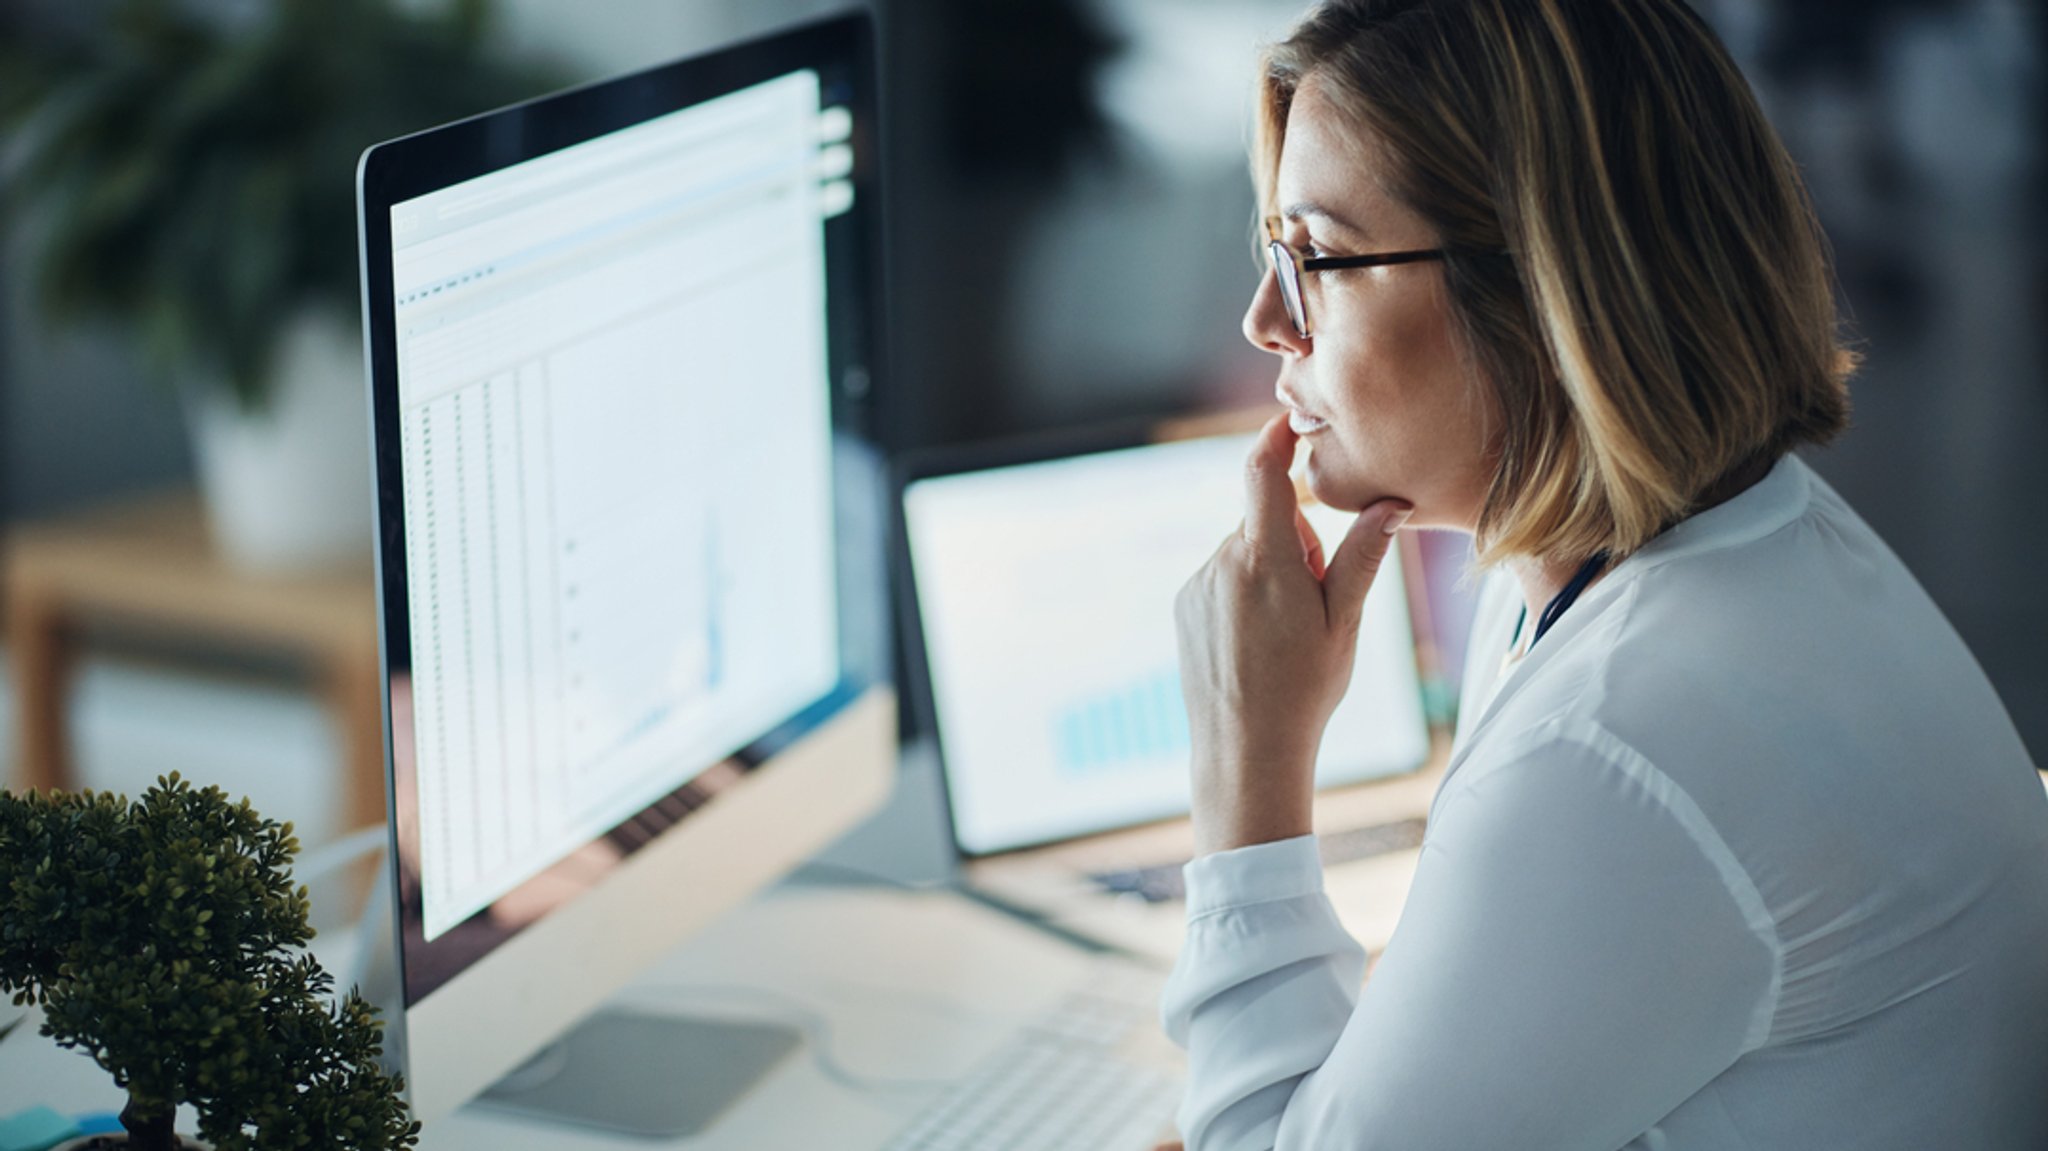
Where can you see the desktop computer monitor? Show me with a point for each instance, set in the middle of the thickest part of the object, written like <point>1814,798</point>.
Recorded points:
<point>631,572</point>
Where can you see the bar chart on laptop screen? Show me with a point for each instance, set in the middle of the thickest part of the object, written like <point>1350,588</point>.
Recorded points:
<point>1126,725</point>
<point>613,408</point>
<point>1046,597</point>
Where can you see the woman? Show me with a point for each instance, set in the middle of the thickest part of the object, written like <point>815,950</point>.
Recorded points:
<point>1737,847</point>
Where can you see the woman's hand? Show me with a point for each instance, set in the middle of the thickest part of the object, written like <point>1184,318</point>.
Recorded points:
<point>1268,636</point>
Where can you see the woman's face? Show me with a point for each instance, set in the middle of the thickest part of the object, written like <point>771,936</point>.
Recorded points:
<point>1378,390</point>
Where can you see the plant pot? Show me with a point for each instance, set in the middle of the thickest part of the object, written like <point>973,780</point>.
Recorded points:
<point>288,487</point>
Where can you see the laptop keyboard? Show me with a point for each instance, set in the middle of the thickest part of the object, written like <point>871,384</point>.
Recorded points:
<point>1162,882</point>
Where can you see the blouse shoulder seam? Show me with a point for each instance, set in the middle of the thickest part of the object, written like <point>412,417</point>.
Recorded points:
<point>1675,799</point>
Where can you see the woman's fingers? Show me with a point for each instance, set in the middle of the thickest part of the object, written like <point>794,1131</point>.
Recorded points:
<point>1270,503</point>
<point>1270,499</point>
<point>1357,561</point>
<point>1311,544</point>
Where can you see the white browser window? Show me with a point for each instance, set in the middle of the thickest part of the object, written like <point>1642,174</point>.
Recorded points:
<point>616,443</point>
<point>1045,592</point>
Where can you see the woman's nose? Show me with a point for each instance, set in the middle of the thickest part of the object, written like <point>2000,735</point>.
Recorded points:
<point>1266,324</point>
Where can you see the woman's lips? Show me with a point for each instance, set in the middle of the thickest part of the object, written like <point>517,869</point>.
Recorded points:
<point>1298,418</point>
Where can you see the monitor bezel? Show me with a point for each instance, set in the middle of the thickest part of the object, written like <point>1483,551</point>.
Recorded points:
<point>840,48</point>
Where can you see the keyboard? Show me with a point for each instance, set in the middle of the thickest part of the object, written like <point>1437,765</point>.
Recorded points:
<point>1162,882</point>
<point>1059,1083</point>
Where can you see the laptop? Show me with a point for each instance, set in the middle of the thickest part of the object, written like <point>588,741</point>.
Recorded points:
<point>1040,582</point>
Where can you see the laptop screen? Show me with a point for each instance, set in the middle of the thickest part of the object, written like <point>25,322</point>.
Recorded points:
<point>1045,594</point>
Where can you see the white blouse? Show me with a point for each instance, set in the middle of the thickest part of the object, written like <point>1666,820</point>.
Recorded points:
<point>1744,854</point>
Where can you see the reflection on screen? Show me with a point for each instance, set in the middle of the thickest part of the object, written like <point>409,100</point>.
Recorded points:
<point>1046,595</point>
<point>616,447</point>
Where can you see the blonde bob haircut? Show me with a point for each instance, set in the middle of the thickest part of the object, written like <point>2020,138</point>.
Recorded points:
<point>1663,314</point>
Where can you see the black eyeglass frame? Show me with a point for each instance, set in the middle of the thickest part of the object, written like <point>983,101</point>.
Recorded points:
<point>1289,271</point>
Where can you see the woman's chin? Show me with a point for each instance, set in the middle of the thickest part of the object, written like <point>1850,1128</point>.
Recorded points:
<point>1329,487</point>
<point>1333,489</point>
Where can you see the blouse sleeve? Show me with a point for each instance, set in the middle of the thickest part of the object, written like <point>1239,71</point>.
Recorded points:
<point>1580,952</point>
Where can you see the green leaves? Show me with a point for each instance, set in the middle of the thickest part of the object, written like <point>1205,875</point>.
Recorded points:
<point>193,179</point>
<point>164,939</point>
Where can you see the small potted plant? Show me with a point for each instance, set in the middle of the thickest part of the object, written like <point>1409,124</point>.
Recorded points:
<point>185,175</point>
<point>165,938</point>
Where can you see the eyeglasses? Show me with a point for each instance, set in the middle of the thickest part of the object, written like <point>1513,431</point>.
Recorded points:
<point>1288,265</point>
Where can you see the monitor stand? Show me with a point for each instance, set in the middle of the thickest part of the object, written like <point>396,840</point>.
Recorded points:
<point>659,1076</point>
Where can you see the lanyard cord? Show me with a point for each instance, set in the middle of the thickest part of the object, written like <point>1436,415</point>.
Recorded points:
<point>1731,484</point>
<point>1555,609</point>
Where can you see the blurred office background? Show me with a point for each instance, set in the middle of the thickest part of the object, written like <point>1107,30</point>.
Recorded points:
<point>1070,220</point>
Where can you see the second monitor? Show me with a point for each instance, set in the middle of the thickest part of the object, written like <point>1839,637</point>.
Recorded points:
<point>1043,583</point>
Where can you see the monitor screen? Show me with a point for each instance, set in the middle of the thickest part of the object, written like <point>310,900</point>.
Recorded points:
<point>616,449</point>
<point>631,575</point>
<point>1044,594</point>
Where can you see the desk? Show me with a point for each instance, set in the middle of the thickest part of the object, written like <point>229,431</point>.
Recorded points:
<point>148,567</point>
<point>915,985</point>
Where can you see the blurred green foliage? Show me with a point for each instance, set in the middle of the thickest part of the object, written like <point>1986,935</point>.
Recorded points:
<point>165,939</point>
<point>192,178</point>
